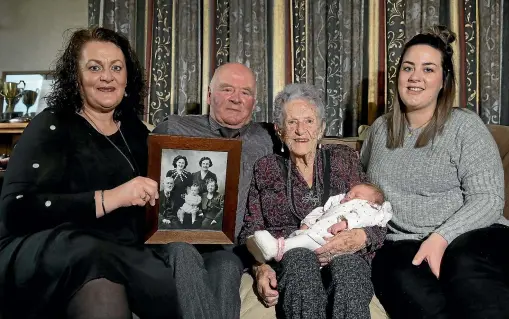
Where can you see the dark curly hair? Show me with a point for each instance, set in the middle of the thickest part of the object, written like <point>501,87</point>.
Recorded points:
<point>205,158</point>
<point>178,157</point>
<point>65,95</point>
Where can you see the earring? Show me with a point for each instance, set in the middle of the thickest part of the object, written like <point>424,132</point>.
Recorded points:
<point>319,146</point>
<point>125,94</point>
<point>282,147</point>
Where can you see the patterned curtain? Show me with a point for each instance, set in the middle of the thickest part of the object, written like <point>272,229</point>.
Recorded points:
<point>349,49</point>
<point>190,39</point>
<point>118,15</point>
<point>404,20</point>
<point>479,61</point>
<point>329,52</point>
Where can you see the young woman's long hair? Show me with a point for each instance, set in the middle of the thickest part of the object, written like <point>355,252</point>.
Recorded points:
<point>440,38</point>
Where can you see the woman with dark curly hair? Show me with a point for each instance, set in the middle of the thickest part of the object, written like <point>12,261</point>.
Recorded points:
<point>183,179</point>
<point>72,206</point>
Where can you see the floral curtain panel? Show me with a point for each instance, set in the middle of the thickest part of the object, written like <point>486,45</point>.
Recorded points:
<point>329,41</point>
<point>349,49</point>
<point>118,15</point>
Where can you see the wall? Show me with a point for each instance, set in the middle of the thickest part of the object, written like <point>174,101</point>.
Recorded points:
<point>31,31</point>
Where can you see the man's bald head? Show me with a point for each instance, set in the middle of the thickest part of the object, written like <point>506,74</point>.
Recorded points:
<point>231,95</point>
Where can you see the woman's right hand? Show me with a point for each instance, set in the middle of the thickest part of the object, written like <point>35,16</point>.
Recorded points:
<point>266,284</point>
<point>136,192</point>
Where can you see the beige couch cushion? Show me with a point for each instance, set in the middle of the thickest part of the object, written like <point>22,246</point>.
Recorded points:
<point>252,308</point>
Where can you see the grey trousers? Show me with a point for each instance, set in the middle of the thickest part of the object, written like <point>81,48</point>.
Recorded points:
<point>341,290</point>
<point>207,284</point>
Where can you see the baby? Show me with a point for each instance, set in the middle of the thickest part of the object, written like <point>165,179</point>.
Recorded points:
<point>191,202</point>
<point>363,206</point>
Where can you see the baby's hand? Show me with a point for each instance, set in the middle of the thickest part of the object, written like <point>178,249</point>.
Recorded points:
<point>338,227</point>
<point>304,227</point>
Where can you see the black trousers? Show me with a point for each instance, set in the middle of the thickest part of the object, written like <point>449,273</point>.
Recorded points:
<point>473,284</point>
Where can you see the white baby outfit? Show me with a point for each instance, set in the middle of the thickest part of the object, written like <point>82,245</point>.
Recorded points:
<point>191,202</point>
<point>357,212</point>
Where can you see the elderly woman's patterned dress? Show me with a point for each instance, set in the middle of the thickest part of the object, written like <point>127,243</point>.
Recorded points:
<point>277,202</point>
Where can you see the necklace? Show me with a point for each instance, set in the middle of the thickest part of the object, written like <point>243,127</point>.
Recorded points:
<point>111,142</point>
<point>313,195</point>
<point>412,130</point>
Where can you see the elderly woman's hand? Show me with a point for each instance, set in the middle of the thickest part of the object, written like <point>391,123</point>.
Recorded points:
<point>345,242</point>
<point>266,284</point>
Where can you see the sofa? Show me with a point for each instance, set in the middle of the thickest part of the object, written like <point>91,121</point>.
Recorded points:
<point>252,308</point>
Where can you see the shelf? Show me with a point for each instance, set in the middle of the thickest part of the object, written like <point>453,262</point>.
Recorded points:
<point>12,128</point>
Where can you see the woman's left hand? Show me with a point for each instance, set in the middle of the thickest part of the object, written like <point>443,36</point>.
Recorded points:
<point>432,250</point>
<point>345,242</point>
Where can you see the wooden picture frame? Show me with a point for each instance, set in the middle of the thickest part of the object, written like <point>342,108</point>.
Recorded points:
<point>172,218</point>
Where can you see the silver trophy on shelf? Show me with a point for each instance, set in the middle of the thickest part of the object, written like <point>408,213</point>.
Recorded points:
<point>29,98</point>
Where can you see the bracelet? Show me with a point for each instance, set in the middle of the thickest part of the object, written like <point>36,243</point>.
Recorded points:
<point>102,201</point>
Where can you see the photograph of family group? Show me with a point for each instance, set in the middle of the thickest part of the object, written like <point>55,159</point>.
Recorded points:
<point>192,189</point>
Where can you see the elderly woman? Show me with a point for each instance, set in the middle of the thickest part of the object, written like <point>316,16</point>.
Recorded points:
<point>74,196</point>
<point>283,191</point>
<point>446,249</point>
<point>212,204</point>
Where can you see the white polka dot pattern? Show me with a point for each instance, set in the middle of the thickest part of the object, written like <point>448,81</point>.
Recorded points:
<point>36,165</point>
<point>19,196</point>
<point>48,203</point>
<point>52,127</point>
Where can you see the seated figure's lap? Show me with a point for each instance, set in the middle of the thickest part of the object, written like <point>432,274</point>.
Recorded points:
<point>253,308</point>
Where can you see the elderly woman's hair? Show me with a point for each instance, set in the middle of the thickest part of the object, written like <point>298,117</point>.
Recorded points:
<point>177,158</point>
<point>439,38</point>
<point>66,94</point>
<point>205,158</point>
<point>298,91</point>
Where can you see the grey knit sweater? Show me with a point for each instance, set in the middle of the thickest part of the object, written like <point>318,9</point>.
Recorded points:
<point>453,185</point>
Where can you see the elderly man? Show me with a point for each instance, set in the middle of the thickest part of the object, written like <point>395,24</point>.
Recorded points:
<point>231,97</point>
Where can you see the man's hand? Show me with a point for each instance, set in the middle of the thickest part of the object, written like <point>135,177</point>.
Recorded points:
<point>266,284</point>
<point>432,250</point>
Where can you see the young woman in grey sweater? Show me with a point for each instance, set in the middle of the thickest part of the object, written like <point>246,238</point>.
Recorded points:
<point>445,255</point>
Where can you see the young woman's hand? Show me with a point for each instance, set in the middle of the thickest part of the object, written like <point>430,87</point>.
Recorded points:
<point>266,284</point>
<point>432,250</point>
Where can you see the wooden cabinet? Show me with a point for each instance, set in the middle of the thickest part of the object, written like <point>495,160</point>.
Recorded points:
<point>9,135</point>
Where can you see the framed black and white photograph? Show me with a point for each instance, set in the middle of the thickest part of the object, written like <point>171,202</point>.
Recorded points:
<point>198,188</point>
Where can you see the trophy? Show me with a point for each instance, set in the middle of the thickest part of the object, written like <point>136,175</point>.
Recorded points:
<point>29,98</point>
<point>10,92</point>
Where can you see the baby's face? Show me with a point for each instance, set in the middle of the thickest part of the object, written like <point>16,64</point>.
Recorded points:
<point>194,190</point>
<point>361,192</point>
